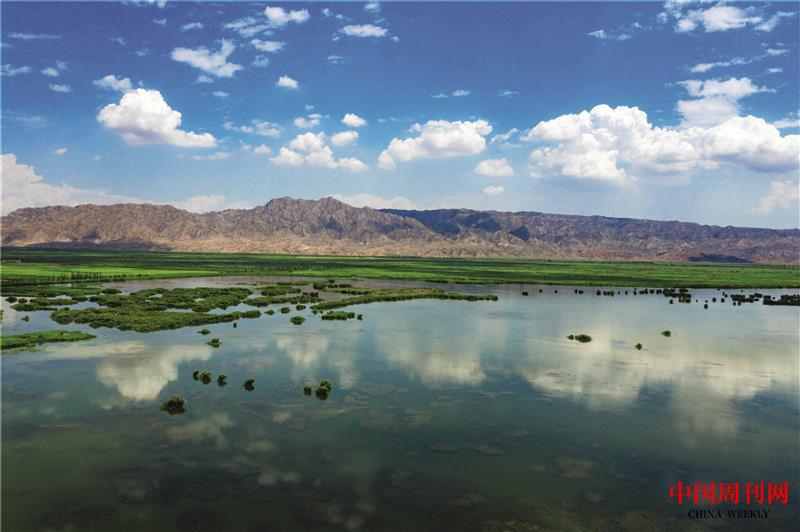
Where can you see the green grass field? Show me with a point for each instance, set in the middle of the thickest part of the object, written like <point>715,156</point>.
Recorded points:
<point>30,266</point>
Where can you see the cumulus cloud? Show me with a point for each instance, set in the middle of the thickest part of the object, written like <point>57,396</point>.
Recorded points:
<point>214,63</point>
<point>437,139</point>
<point>344,138</point>
<point>788,122</point>
<point>377,202</point>
<point>50,72</point>
<point>364,30</point>
<point>307,122</point>
<point>287,157</point>
<point>260,61</point>
<point>56,87</point>
<point>494,168</point>
<point>312,149</point>
<point>604,35</point>
<point>143,117</point>
<point>60,151</point>
<point>220,94</point>
<point>267,46</point>
<point>718,100</point>
<point>286,82</point>
<point>261,149</point>
<point>781,194</point>
<point>493,190</point>
<point>353,120</point>
<point>688,16</point>
<point>372,7</point>
<point>112,82</point>
<point>279,17</point>
<point>619,145</point>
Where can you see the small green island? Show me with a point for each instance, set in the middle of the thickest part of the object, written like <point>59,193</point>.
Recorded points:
<point>30,340</point>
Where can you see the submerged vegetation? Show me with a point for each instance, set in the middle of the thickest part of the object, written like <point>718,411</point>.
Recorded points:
<point>297,320</point>
<point>249,385</point>
<point>666,333</point>
<point>29,340</point>
<point>215,342</point>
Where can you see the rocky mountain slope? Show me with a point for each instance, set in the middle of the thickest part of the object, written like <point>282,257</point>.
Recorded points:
<point>328,226</point>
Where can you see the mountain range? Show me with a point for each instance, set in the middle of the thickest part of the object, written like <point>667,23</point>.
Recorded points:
<point>330,227</point>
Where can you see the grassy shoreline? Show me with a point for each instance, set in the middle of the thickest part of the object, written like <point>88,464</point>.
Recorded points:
<point>36,266</point>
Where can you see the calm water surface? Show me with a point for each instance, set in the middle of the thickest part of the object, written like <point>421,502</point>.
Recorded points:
<point>444,415</point>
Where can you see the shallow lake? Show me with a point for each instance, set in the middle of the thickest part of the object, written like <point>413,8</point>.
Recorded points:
<point>444,415</point>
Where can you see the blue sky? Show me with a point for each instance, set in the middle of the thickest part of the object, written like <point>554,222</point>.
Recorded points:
<point>672,110</point>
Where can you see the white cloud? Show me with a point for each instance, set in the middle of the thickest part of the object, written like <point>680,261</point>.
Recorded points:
<point>143,117</point>
<point>344,138</point>
<point>377,202</point>
<point>51,72</point>
<point>604,35</point>
<point>202,78</point>
<point>437,139</point>
<point>287,83</point>
<point>256,127</point>
<point>353,120</point>
<point>33,36</point>
<point>440,95</point>
<point>216,156</point>
<point>702,68</point>
<point>261,149</point>
<point>279,17</point>
<point>247,27</point>
<point>112,82</point>
<point>364,30</point>
<point>336,59</point>
<point>460,92</point>
<point>22,187</point>
<point>372,7</point>
<point>308,142</point>
<point>619,145</point>
<point>494,168</point>
<point>160,21</point>
<point>192,26</point>
<point>503,138</point>
<point>220,94</point>
<point>287,157</point>
<point>141,52</point>
<point>11,71</point>
<point>781,194</point>
<point>506,93</point>
<point>267,46</point>
<point>55,87</point>
<point>774,70</point>
<point>60,151</point>
<point>770,23</point>
<point>352,164</point>
<point>718,100</point>
<point>493,190</point>
<point>775,52</point>
<point>260,61</point>
<point>312,149</point>
<point>309,122</point>
<point>689,16</point>
<point>214,63</point>
<point>789,121</point>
